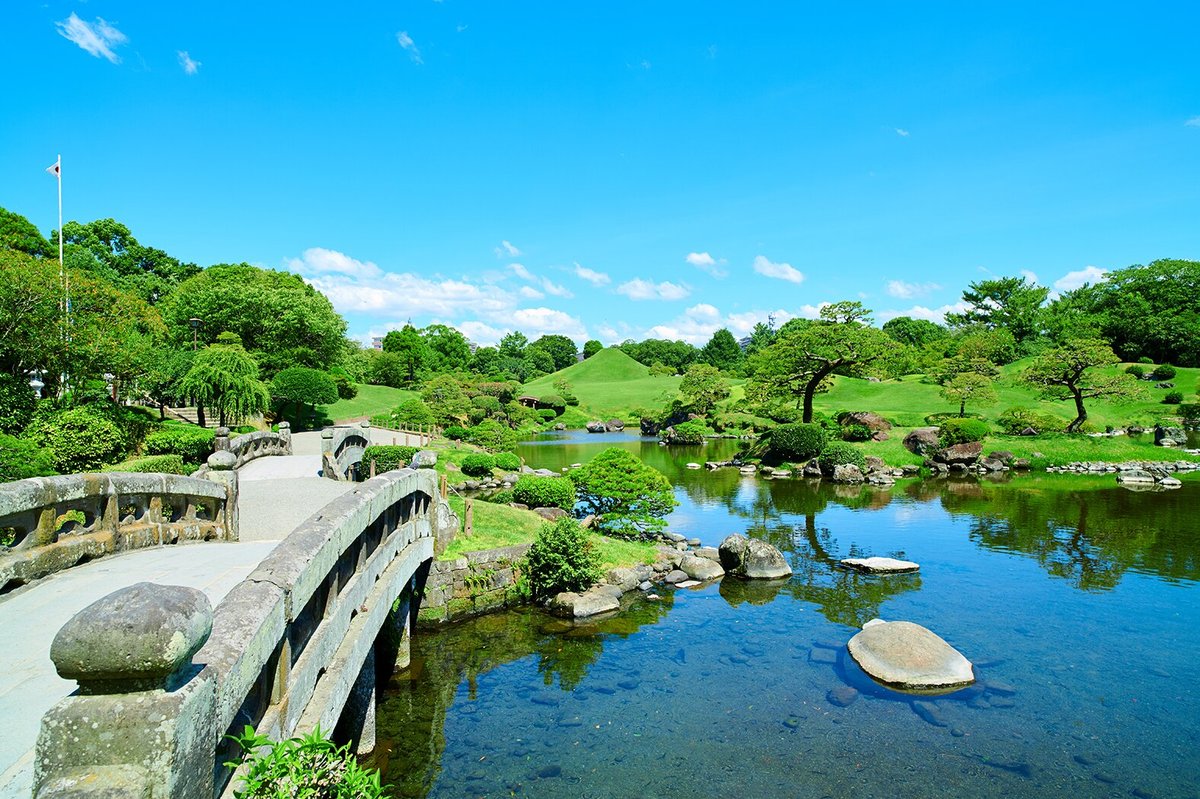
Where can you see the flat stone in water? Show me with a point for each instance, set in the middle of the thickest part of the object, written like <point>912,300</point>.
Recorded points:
<point>549,772</point>
<point>826,656</point>
<point>880,565</point>
<point>842,696</point>
<point>929,713</point>
<point>904,655</point>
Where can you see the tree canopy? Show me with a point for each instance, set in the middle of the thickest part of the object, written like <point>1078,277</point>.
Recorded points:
<point>1011,303</point>
<point>1070,371</point>
<point>414,356</point>
<point>224,378</point>
<point>107,249</point>
<point>18,233</point>
<point>722,351</point>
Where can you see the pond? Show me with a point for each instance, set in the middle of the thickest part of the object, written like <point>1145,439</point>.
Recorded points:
<point>1077,601</point>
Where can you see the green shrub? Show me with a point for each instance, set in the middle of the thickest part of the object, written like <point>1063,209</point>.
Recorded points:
<point>692,432</point>
<point>840,454</point>
<point>545,492</point>
<point>387,457</point>
<point>79,438</point>
<point>478,465</point>
<point>1173,398</point>
<point>508,461</point>
<point>1135,370</point>
<point>345,386</point>
<point>486,403</point>
<point>310,766</point>
<point>412,415</point>
<point>17,403</point>
<point>500,498</point>
<point>20,459</point>
<point>1163,372</point>
<point>856,432</point>
<point>1145,359</point>
<point>797,442</point>
<point>193,444</point>
<point>962,431</point>
<point>455,433</point>
<point>627,497</point>
<point>562,558</point>
<point>152,464</point>
<point>554,402</point>
<point>492,436</point>
<point>1014,420</point>
<point>547,414</point>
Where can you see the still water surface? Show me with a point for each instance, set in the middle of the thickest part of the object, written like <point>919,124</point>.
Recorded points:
<point>1078,602</point>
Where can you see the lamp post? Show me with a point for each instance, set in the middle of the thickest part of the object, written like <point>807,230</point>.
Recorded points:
<point>195,323</point>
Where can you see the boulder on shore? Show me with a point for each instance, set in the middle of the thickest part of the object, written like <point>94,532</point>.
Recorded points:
<point>701,569</point>
<point>922,441</point>
<point>580,606</point>
<point>596,427</point>
<point>847,473</point>
<point>964,454</point>
<point>752,559</point>
<point>879,565</point>
<point>904,655</point>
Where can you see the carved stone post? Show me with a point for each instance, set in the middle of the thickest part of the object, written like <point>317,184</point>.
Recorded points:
<point>222,468</point>
<point>221,440</point>
<point>285,435</point>
<point>329,465</point>
<point>144,720</point>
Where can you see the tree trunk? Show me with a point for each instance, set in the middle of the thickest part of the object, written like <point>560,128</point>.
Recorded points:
<point>1081,412</point>
<point>200,414</point>
<point>810,390</point>
<point>962,408</point>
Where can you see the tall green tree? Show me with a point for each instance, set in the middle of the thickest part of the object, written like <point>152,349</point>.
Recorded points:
<point>722,351</point>
<point>591,347</point>
<point>805,356</point>
<point>1012,303</point>
<point>407,345</point>
<point>968,387</point>
<point>513,344</point>
<point>760,338</point>
<point>446,399</point>
<point>449,350</point>
<point>18,233</point>
<point>224,378</point>
<point>560,348</point>
<point>1071,371</point>
<point>914,332</point>
<point>303,388</point>
<point>702,388</point>
<point>107,249</point>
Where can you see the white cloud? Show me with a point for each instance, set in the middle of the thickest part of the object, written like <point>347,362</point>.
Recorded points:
<point>697,324</point>
<point>705,262</point>
<point>1194,122</point>
<point>921,312</point>
<point>409,46</point>
<point>98,38</point>
<point>481,332</point>
<point>535,322</point>
<point>545,283</point>
<point>320,261</point>
<point>638,289</point>
<point>591,275</point>
<point>1073,280</point>
<point>190,65</point>
<point>530,293</point>
<point>609,335</point>
<point>1029,276</point>
<point>906,291</point>
<point>781,271</point>
<point>902,132</point>
<point>520,271</point>
<point>506,250</point>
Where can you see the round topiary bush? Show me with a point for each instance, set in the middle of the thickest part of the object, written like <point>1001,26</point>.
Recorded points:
<point>478,465</point>
<point>962,431</point>
<point>553,402</point>
<point>1164,372</point>
<point>492,436</point>
<point>840,454</point>
<point>193,444</point>
<point>508,461</point>
<point>1145,359</point>
<point>1173,398</point>
<point>486,403</point>
<point>547,414</point>
<point>562,558</point>
<point>545,492</point>
<point>1015,420</point>
<point>1136,370</point>
<point>455,433</point>
<point>686,433</point>
<point>82,440</point>
<point>798,442</point>
<point>20,459</point>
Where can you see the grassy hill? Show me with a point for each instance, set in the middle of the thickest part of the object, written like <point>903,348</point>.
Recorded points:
<point>371,400</point>
<point>609,384</point>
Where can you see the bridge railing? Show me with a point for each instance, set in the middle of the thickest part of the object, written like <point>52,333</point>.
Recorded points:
<point>342,449</point>
<point>259,444</point>
<point>53,523</point>
<point>291,647</point>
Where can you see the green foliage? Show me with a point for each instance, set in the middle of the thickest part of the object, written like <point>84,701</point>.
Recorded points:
<point>20,459</point>
<point>840,454</point>
<point>1190,412</point>
<point>192,444</point>
<point>18,233</point>
<point>413,414</point>
<point>1069,372</point>
<point>591,347</point>
<point>702,388</point>
<point>80,439</point>
<point>914,332</point>
<point>962,431</point>
<point>446,400</point>
<point>455,433</point>
<point>345,386</point>
<point>17,403</point>
<point>500,498</point>
<point>448,349</point>
<point>487,403</point>
<point>508,461</point>
<point>478,464</point>
<point>152,464</point>
<point>492,436</point>
<point>561,350</point>
<point>675,354</point>
<point>722,352</point>
<point>691,432</point>
<point>554,402</point>
<point>1014,420</point>
<point>797,442</point>
<point>107,249</point>
<point>545,492</point>
<point>1136,370</point>
<point>547,414</point>
<point>1009,303</point>
<point>856,432</point>
<point>661,370</point>
<point>1164,372</point>
<point>224,378</point>
<point>307,766</point>
<point>303,387</point>
<point>1145,360</point>
<point>1173,398</point>
<point>628,498</point>
<point>969,386</point>
<point>413,353</point>
<point>388,457</point>
<point>562,558</point>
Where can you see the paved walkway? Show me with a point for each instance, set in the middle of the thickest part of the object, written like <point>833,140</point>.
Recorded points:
<point>276,495</point>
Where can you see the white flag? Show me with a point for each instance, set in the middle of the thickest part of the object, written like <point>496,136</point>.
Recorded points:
<point>56,168</point>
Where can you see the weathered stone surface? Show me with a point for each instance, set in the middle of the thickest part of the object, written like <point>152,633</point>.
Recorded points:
<point>712,553</point>
<point>424,459</point>
<point>701,568</point>
<point>847,473</point>
<point>624,577</point>
<point>873,421</point>
<point>752,559</point>
<point>222,461</point>
<point>1140,476</point>
<point>136,636</point>
<point>1169,436</point>
<point>675,576</point>
<point>596,427</point>
<point>580,606</point>
<point>615,425</point>
<point>879,565</point>
<point>962,454</point>
<point>551,514</point>
<point>922,441</point>
<point>904,655</point>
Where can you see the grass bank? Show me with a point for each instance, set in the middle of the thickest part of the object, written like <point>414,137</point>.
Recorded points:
<point>371,400</point>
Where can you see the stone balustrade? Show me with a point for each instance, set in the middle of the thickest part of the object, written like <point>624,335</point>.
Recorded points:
<point>250,446</point>
<point>53,523</point>
<point>293,646</point>
<point>342,449</point>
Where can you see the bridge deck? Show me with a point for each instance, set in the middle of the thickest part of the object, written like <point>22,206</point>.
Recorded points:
<point>276,495</point>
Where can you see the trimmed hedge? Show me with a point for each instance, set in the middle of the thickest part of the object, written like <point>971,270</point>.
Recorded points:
<point>798,442</point>
<point>387,457</point>
<point>1173,398</point>
<point>1136,370</point>
<point>151,464</point>
<point>20,459</point>
<point>692,432</point>
<point>1164,372</point>
<point>478,465</point>
<point>455,433</point>
<point>492,436</point>
<point>79,439</point>
<point>840,454</point>
<point>962,431</point>
<point>508,461</point>
<point>545,492</point>
<point>1014,420</point>
<point>193,444</point>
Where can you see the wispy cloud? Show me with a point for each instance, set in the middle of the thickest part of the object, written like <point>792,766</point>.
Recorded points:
<point>190,65</point>
<point>697,324</point>
<point>98,38</point>
<point>409,46</point>
<point>638,289</point>
<point>921,312</point>
<point>506,250</point>
<point>544,283</point>
<point>1194,122</point>
<point>1030,276</point>
<point>780,271</point>
<point>902,132</point>
<point>1073,280</point>
<point>706,263</point>
<point>906,291</point>
<point>591,275</point>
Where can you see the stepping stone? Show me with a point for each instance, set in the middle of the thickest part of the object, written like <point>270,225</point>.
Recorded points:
<point>904,655</point>
<point>880,565</point>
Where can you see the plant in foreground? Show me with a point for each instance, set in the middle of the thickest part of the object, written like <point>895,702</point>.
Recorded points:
<point>309,766</point>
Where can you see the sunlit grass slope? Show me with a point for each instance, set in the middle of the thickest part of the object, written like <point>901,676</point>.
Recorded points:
<point>609,385</point>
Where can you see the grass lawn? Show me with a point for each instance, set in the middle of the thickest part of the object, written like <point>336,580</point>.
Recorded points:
<point>609,385</point>
<point>371,400</point>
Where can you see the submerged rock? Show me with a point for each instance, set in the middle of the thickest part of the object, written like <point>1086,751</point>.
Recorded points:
<point>901,654</point>
<point>752,559</point>
<point>880,565</point>
<point>580,606</point>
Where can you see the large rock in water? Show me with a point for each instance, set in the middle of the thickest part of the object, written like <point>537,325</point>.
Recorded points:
<point>580,606</point>
<point>964,454</point>
<point>922,441</point>
<point>901,654</point>
<point>596,427</point>
<point>752,559</point>
<point>879,565</point>
<point>701,568</point>
<point>1169,436</point>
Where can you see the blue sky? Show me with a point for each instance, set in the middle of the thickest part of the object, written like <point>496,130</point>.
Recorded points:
<point>613,170</point>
